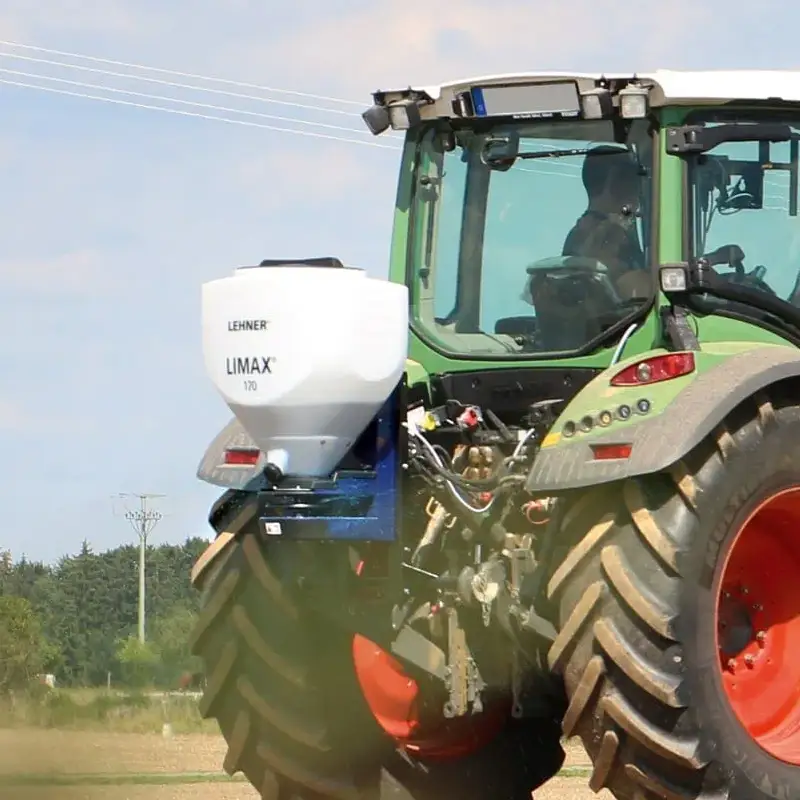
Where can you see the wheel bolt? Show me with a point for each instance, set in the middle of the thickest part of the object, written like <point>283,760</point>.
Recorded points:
<point>758,607</point>
<point>732,664</point>
<point>745,590</point>
<point>748,660</point>
<point>761,637</point>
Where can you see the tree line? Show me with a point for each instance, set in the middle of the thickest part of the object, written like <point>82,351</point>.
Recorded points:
<point>77,619</point>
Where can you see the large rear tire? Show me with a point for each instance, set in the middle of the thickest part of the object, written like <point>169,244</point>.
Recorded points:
<point>283,689</point>
<point>679,607</point>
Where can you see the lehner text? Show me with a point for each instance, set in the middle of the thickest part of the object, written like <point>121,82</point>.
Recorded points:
<point>247,325</point>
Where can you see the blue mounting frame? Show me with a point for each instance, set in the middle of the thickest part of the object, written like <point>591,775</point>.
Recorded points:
<point>355,504</point>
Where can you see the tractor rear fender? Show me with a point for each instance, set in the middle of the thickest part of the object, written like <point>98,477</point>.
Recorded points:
<point>681,413</point>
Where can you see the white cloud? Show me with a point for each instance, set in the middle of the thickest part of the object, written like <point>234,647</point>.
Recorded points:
<point>416,41</point>
<point>85,271</point>
<point>22,20</point>
<point>28,424</point>
<point>312,176</point>
<point>6,151</point>
<point>13,416</point>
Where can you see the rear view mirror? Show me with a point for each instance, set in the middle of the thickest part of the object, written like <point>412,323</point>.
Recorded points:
<point>748,191</point>
<point>500,152</point>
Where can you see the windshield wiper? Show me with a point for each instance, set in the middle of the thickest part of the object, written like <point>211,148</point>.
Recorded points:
<point>497,153</point>
<point>693,139</point>
<point>561,153</point>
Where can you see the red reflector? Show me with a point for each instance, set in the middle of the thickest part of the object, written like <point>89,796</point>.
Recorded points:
<point>654,370</point>
<point>242,457</point>
<point>606,452</point>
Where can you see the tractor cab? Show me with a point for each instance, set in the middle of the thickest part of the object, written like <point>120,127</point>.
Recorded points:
<point>535,211</point>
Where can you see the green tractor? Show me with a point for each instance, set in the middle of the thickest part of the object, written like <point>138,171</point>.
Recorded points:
<point>542,483</point>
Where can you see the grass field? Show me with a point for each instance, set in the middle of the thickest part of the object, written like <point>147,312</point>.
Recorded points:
<point>89,745</point>
<point>100,710</point>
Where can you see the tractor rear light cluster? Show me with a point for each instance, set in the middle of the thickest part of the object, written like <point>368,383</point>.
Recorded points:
<point>241,456</point>
<point>605,418</point>
<point>655,370</point>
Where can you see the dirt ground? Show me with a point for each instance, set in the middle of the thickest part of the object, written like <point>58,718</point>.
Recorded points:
<point>65,753</point>
<point>557,789</point>
<point>76,752</point>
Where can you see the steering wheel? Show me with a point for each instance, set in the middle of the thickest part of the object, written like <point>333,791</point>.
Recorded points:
<point>572,296</point>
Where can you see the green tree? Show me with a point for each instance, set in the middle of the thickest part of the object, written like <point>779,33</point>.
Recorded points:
<point>139,662</point>
<point>22,646</point>
<point>87,603</point>
<point>170,637</point>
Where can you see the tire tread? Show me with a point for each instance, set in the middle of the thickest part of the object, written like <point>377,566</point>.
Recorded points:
<point>283,691</point>
<point>272,700</point>
<point>618,647</point>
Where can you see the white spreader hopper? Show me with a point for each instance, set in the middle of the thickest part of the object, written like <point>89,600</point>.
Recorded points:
<point>304,356</point>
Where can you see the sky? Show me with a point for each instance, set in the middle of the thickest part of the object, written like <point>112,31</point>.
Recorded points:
<point>113,216</point>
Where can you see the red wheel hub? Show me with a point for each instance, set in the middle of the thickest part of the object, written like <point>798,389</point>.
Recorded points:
<point>758,626</point>
<point>395,701</point>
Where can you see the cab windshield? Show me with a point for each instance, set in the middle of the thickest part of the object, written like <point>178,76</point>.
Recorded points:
<point>531,238</point>
<point>744,198</point>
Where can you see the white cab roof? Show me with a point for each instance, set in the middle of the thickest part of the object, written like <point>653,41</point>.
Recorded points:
<point>668,87</point>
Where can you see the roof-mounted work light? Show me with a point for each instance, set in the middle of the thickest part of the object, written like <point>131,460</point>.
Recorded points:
<point>376,118</point>
<point>596,104</point>
<point>633,101</point>
<point>404,114</point>
<point>399,114</point>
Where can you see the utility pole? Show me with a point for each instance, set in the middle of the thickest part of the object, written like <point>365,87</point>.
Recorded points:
<point>142,520</point>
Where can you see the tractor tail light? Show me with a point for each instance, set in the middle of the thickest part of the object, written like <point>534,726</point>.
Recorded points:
<point>608,452</point>
<point>655,369</point>
<point>241,457</point>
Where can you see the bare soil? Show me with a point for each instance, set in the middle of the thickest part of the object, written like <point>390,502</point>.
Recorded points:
<point>557,789</point>
<point>235,791</point>
<point>64,753</point>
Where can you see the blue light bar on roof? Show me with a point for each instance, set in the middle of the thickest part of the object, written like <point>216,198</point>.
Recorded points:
<point>555,98</point>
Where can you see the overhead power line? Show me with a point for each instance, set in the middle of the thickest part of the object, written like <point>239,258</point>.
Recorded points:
<point>207,106</point>
<point>162,71</point>
<point>176,85</point>
<point>228,120</point>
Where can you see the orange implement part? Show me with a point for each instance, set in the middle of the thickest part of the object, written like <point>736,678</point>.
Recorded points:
<point>390,694</point>
<point>394,699</point>
<point>758,626</point>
